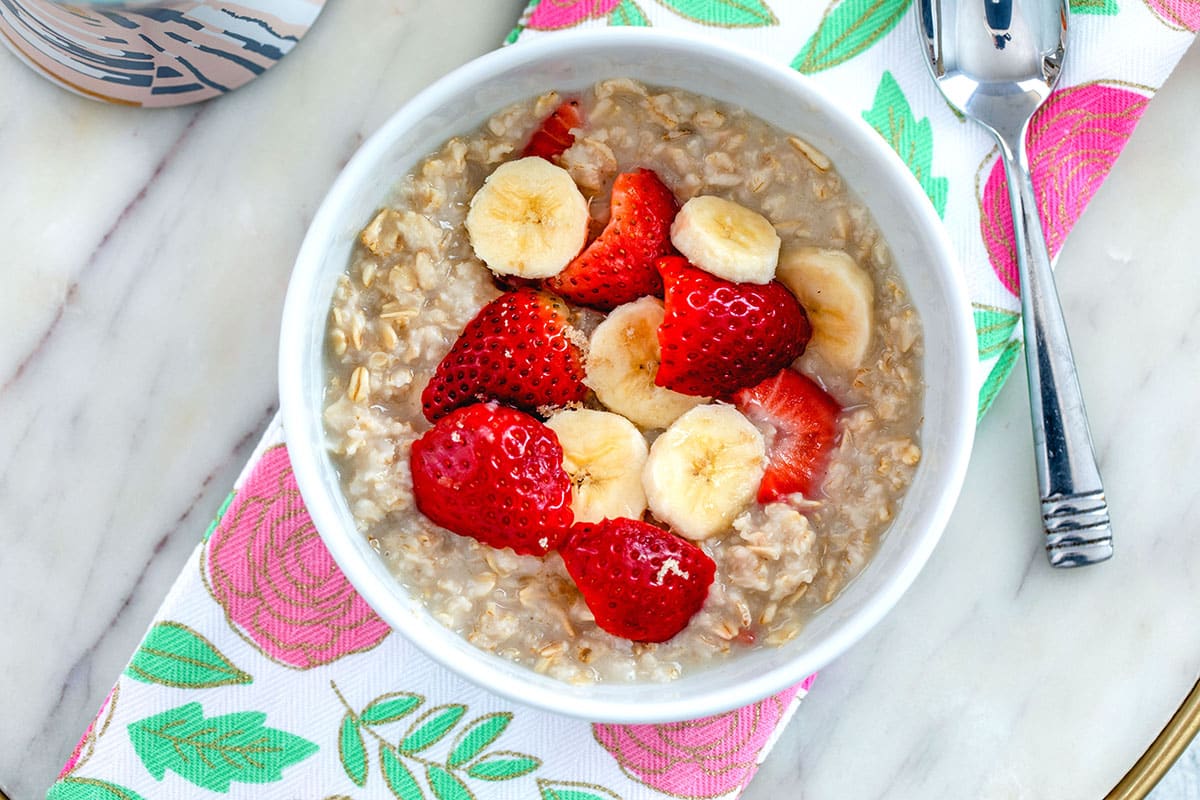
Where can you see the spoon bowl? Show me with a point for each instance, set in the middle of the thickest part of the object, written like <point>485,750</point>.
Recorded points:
<point>995,60</point>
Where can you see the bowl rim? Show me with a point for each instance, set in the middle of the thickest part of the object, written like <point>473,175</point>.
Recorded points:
<point>305,454</point>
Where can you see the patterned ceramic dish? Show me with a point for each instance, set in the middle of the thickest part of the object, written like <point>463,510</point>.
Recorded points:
<point>460,102</point>
<point>153,53</point>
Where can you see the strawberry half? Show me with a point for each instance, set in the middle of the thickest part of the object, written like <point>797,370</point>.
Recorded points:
<point>719,336</point>
<point>494,474</point>
<point>554,135</point>
<point>618,267</point>
<point>640,582</point>
<point>800,420</point>
<point>520,349</point>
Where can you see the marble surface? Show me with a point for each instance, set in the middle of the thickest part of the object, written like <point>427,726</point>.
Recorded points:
<point>144,262</point>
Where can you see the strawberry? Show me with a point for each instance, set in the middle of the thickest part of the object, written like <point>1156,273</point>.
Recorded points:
<point>495,474</point>
<point>554,136</point>
<point>640,582</point>
<point>802,421</point>
<point>718,336</point>
<point>618,267</point>
<point>520,349</point>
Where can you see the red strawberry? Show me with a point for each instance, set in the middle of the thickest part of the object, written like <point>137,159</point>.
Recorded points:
<point>554,136</point>
<point>495,474</point>
<point>802,423</point>
<point>618,267</point>
<point>640,582</point>
<point>718,336</point>
<point>520,349</point>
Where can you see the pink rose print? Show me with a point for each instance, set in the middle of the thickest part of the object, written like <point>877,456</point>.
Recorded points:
<point>701,758</point>
<point>95,729</point>
<point>1073,141</point>
<point>1177,14</point>
<point>277,582</point>
<point>551,15</point>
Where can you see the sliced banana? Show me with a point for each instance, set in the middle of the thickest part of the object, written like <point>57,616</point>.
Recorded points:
<point>704,470</point>
<point>726,239</point>
<point>622,360</point>
<point>604,454</point>
<point>839,298</point>
<point>528,219</point>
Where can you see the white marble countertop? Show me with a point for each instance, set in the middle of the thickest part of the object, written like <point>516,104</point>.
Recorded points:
<point>144,262</point>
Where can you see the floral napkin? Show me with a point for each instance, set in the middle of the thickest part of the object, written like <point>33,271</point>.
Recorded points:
<point>265,675</point>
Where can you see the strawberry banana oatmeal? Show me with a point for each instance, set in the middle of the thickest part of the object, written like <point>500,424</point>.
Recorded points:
<point>623,383</point>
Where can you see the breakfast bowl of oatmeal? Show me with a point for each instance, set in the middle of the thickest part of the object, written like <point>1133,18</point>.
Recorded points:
<point>627,376</point>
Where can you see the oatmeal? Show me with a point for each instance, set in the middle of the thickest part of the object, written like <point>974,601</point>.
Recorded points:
<point>415,282</point>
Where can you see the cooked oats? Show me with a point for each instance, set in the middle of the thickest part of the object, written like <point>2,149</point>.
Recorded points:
<point>414,282</point>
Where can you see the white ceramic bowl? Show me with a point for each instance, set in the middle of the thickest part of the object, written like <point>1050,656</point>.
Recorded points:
<point>571,61</point>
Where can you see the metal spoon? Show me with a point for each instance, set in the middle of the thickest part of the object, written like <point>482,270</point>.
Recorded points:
<point>996,61</point>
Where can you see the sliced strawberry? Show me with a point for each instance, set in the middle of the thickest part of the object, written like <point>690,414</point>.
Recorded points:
<point>801,424</point>
<point>640,582</point>
<point>554,136</point>
<point>718,336</point>
<point>618,267</point>
<point>520,349</point>
<point>495,474</point>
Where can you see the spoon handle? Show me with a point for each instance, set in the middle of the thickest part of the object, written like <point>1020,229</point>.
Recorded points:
<point>1074,509</point>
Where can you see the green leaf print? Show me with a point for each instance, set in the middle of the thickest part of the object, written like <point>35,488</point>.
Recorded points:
<point>519,28</point>
<point>998,375</point>
<point>993,329</point>
<point>910,138</point>
<point>389,708</point>
<point>352,751</point>
<point>848,28</point>
<point>724,13</point>
<point>476,736</point>
<point>570,790</point>
<point>212,526</point>
<point>399,780</point>
<point>210,752</point>
<point>448,778</point>
<point>502,766</point>
<point>172,654</point>
<point>89,789</point>
<point>430,727</point>
<point>1099,7</point>
<point>446,785</point>
<point>627,14</point>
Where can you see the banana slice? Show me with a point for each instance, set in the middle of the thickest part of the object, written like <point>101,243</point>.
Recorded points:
<point>528,219</point>
<point>604,454</point>
<point>726,240</point>
<point>839,298</point>
<point>703,470</point>
<point>622,360</point>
